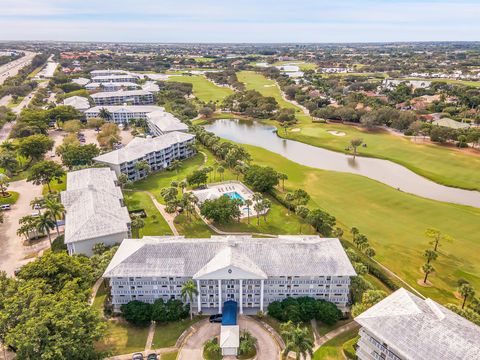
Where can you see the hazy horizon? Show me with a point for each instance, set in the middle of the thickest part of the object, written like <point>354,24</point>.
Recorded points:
<point>246,21</point>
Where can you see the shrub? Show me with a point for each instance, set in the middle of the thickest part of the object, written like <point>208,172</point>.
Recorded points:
<point>304,309</point>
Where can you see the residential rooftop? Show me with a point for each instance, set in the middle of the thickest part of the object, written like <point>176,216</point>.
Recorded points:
<point>120,93</point>
<point>126,108</point>
<point>166,121</point>
<point>421,329</point>
<point>139,147</point>
<point>293,255</point>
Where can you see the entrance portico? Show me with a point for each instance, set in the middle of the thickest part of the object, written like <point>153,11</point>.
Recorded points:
<point>232,271</point>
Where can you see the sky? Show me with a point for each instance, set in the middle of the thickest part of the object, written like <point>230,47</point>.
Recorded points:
<point>250,21</point>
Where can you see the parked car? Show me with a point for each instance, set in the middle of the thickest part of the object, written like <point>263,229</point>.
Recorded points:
<point>217,318</point>
<point>152,356</point>
<point>5,207</point>
<point>137,356</point>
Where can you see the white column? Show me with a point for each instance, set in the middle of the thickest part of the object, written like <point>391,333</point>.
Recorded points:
<point>241,296</point>
<point>261,295</point>
<point>199,297</point>
<point>219,296</point>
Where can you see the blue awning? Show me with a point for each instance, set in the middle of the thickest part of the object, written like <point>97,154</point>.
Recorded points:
<point>229,313</point>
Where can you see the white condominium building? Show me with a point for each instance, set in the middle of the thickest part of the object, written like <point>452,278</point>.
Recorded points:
<point>161,122</point>
<point>122,114</point>
<point>95,212</point>
<point>115,78</point>
<point>158,152</point>
<point>78,102</point>
<point>406,327</point>
<point>108,72</point>
<point>131,97</point>
<point>251,271</point>
<point>112,86</point>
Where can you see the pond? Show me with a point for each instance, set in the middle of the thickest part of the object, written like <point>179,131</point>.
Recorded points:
<point>387,172</point>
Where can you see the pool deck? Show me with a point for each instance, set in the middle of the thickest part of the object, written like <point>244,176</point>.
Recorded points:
<point>215,190</point>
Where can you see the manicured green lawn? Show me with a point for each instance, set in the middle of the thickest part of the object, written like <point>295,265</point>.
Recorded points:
<point>56,186</point>
<point>204,89</point>
<point>444,165</point>
<point>332,350</point>
<point>120,337</point>
<point>279,221</point>
<point>155,224</point>
<point>169,356</point>
<point>10,199</point>
<point>166,335</point>
<point>193,227</point>
<point>324,328</point>
<point>393,221</point>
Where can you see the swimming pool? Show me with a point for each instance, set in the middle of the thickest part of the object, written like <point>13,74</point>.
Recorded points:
<point>234,195</point>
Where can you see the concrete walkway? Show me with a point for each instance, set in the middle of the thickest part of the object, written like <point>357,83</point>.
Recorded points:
<point>168,217</point>
<point>334,333</point>
<point>95,288</point>
<point>145,353</point>
<point>151,333</point>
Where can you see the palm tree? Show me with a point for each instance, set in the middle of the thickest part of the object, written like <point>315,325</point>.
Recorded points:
<point>36,204</point>
<point>289,198</point>
<point>175,165</point>
<point>427,269</point>
<point>248,203</point>
<point>238,170</point>
<point>183,185</point>
<point>370,252</point>
<point>285,126</point>
<point>467,291</point>
<point>4,184</point>
<point>189,289</point>
<point>266,205</point>
<point>258,205</point>
<point>430,255</point>
<point>143,166</point>
<point>105,114</point>
<point>137,224</point>
<point>436,237</point>
<point>356,142</point>
<point>297,340</point>
<point>55,209</point>
<point>27,225</point>
<point>221,171</point>
<point>44,224</point>
<point>283,177</point>
<point>302,212</point>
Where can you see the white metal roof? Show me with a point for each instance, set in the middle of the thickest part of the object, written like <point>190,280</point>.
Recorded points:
<point>134,109</point>
<point>421,329</point>
<point>166,121</point>
<point>139,147</point>
<point>292,255</point>
<point>120,93</point>
<point>230,336</point>
<point>93,205</point>
<point>78,102</point>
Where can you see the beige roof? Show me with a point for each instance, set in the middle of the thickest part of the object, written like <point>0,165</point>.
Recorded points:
<point>293,255</point>
<point>139,147</point>
<point>421,329</point>
<point>93,205</point>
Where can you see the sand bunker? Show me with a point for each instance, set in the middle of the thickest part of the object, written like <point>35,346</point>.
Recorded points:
<point>295,130</point>
<point>336,133</point>
<point>268,85</point>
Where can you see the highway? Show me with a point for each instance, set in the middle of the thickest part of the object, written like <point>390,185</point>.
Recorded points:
<point>11,69</point>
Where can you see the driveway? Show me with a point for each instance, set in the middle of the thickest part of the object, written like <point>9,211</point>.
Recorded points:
<point>267,347</point>
<point>13,253</point>
<point>193,346</point>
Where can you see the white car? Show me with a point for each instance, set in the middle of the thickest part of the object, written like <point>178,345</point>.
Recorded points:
<point>5,207</point>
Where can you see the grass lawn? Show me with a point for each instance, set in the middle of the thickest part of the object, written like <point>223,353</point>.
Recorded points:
<point>444,165</point>
<point>304,66</point>
<point>204,89</point>
<point>393,221</point>
<point>450,81</point>
<point>11,199</point>
<point>120,337</point>
<point>155,224</point>
<point>332,350</point>
<point>279,221</point>
<point>377,284</point>
<point>169,356</point>
<point>166,335</point>
<point>324,328</point>
<point>193,227</point>
<point>56,186</point>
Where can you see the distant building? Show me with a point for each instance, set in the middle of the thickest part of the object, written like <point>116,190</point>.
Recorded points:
<point>78,102</point>
<point>108,72</point>
<point>158,152</point>
<point>112,86</point>
<point>81,81</point>
<point>161,122</point>
<point>95,212</point>
<point>131,97</point>
<point>450,123</point>
<point>123,114</point>
<point>250,271</point>
<point>115,78</point>
<point>151,86</point>
<point>406,327</point>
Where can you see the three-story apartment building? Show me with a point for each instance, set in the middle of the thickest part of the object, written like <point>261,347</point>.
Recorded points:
<point>122,114</point>
<point>158,153</point>
<point>251,271</point>
<point>131,97</point>
<point>405,327</point>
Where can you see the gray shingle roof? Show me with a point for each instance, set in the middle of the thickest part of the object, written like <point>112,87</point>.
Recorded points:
<point>93,205</point>
<point>166,121</point>
<point>139,147</point>
<point>177,256</point>
<point>421,329</point>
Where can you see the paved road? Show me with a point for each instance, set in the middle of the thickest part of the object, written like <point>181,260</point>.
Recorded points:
<point>267,347</point>
<point>13,67</point>
<point>13,253</point>
<point>193,346</point>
